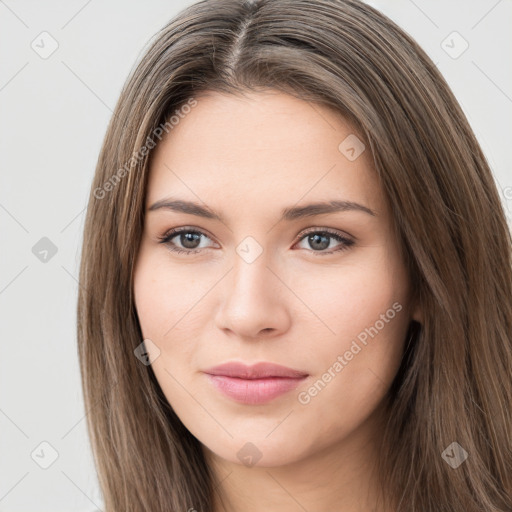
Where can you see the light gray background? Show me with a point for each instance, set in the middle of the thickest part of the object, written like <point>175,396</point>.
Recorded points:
<point>54,113</point>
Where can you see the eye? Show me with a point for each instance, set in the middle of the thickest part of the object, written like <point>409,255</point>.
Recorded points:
<point>190,240</point>
<point>321,239</point>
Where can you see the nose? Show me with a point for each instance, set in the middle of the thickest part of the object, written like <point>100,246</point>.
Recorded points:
<point>254,300</point>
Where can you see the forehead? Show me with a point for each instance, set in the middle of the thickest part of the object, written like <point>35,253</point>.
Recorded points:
<point>262,147</point>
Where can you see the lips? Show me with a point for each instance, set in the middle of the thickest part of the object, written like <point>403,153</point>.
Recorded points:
<point>256,371</point>
<point>256,384</point>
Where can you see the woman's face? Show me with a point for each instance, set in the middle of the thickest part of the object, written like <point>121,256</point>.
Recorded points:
<point>265,277</point>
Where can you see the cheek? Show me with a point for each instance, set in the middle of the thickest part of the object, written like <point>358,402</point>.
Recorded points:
<point>164,294</point>
<point>172,304</point>
<point>365,307</point>
<point>353,298</point>
<point>164,297</point>
<point>353,376</point>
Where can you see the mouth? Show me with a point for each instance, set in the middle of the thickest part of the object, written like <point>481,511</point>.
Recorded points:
<point>256,384</point>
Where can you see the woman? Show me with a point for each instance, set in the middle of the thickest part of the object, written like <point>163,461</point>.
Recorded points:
<point>296,277</point>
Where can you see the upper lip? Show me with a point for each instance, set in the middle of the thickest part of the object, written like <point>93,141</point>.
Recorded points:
<point>255,371</point>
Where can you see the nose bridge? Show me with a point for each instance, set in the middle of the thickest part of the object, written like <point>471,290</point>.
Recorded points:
<point>251,278</point>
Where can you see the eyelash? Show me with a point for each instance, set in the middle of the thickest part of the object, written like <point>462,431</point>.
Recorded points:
<point>167,237</point>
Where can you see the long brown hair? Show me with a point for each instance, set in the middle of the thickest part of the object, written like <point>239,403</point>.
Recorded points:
<point>455,381</point>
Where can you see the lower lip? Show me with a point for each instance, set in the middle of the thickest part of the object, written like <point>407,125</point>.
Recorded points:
<point>254,391</point>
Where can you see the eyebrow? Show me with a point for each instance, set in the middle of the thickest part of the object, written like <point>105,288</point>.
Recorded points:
<point>288,214</point>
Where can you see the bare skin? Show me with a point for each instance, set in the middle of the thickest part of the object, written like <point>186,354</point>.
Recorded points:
<point>300,303</point>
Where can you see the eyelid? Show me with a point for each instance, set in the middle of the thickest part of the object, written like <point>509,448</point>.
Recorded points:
<point>331,231</point>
